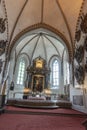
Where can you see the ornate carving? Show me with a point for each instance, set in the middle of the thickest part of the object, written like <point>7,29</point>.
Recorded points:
<point>2,46</point>
<point>86,68</point>
<point>86,65</point>
<point>79,74</point>
<point>2,25</point>
<point>84,24</point>
<point>38,73</point>
<point>79,54</point>
<point>39,66</point>
<point>78,35</point>
<point>85,44</point>
<point>1,64</point>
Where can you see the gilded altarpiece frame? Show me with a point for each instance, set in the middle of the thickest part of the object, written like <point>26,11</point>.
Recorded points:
<point>39,73</point>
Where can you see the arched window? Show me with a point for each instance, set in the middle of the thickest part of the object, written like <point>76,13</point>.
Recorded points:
<point>66,73</point>
<point>21,69</point>
<point>55,73</point>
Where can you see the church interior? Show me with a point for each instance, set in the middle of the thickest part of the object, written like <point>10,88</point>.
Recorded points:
<point>43,54</point>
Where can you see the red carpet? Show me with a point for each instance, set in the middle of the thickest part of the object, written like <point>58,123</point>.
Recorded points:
<point>30,121</point>
<point>55,111</point>
<point>39,122</point>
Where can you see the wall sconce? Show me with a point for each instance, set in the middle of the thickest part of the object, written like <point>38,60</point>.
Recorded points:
<point>47,91</point>
<point>12,86</point>
<point>26,90</point>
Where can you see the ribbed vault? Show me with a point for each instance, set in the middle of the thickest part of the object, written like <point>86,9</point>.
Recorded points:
<point>41,42</point>
<point>58,14</point>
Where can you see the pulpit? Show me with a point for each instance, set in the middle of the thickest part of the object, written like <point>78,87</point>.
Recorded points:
<point>38,75</point>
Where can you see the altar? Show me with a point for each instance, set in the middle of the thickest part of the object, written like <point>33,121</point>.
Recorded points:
<point>38,74</point>
<point>37,97</point>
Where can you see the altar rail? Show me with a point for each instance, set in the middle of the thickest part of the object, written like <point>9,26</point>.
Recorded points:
<point>27,95</point>
<point>39,103</point>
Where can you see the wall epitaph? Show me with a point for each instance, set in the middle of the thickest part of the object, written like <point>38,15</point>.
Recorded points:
<point>2,46</point>
<point>78,35</point>
<point>83,24</point>
<point>79,54</point>
<point>2,25</point>
<point>79,74</point>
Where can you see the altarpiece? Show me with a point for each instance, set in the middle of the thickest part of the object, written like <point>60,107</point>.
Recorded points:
<point>38,75</point>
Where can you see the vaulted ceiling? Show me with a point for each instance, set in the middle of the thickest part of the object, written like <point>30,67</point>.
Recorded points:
<point>43,43</point>
<point>58,16</point>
